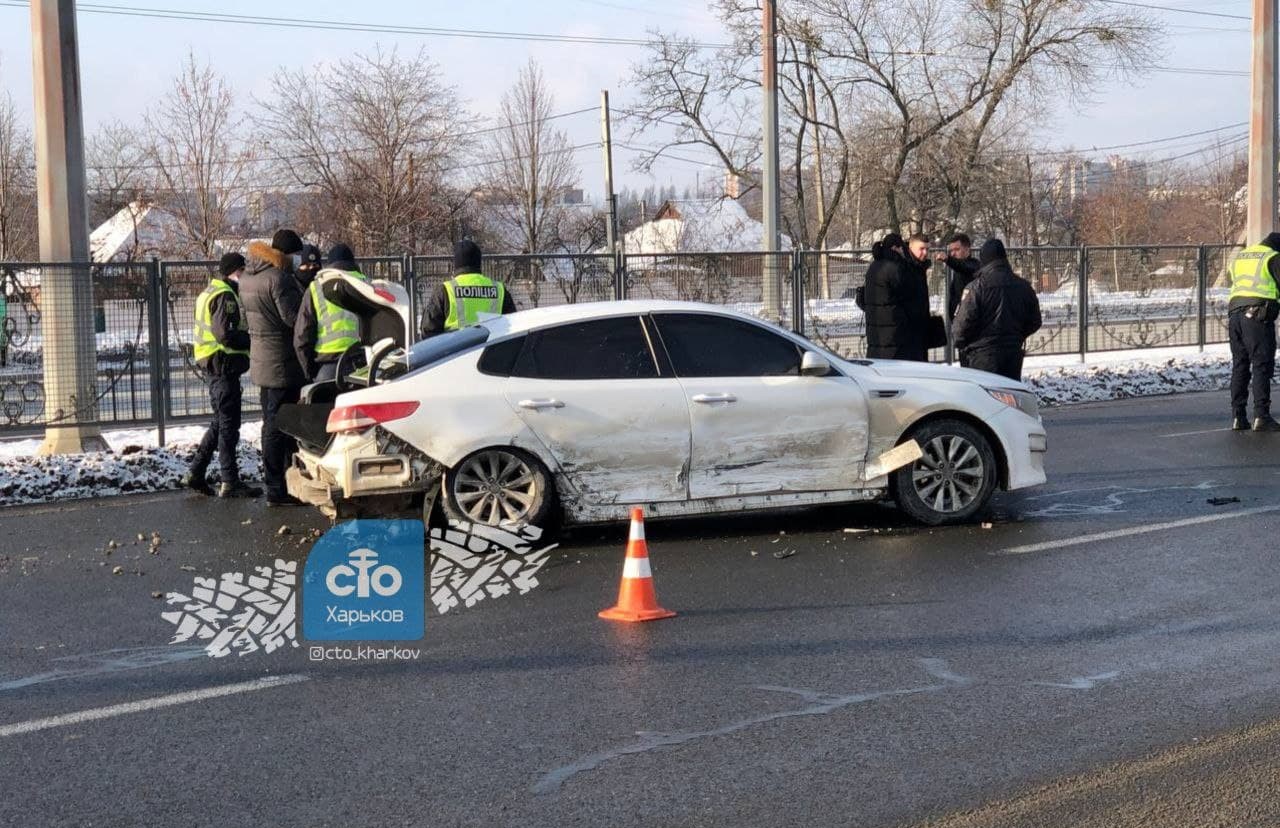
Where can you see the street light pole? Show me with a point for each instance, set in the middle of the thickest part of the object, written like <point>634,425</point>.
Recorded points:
<point>1262,124</point>
<point>769,184</point>
<point>66,293</point>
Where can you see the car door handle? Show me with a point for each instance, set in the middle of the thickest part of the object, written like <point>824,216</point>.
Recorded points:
<point>714,398</point>
<point>538,405</point>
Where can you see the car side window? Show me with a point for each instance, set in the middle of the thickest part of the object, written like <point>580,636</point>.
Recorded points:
<point>704,345</point>
<point>500,358</point>
<point>596,349</point>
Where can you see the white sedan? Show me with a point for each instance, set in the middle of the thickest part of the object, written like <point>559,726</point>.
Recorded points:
<point>579,412</point>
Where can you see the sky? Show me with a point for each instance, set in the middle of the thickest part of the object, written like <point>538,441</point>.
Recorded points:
<point>128,61</point>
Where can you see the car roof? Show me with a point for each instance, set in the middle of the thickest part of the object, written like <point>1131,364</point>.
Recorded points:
<point>527,320</point>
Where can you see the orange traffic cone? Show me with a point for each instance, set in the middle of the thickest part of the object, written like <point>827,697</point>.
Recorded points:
<point>637,600</point>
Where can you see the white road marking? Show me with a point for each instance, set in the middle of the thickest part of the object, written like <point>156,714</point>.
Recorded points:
<point>1193,433</point>
<point>1133,530</point>
<point>82,716</point>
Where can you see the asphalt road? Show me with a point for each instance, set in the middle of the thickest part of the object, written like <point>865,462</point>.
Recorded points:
<point>1103,654</point>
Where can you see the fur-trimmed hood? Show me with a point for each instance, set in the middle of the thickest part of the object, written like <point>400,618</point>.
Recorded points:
<point>263,256</point>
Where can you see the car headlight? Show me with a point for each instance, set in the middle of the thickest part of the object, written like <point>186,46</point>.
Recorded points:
<point>1025,401</point>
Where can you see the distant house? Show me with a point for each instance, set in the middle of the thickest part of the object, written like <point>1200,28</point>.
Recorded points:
<point>702,225</point>
<point>136,233</point>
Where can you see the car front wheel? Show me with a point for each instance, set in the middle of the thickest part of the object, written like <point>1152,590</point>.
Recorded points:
<point>499,487</point>
<point>954,478</point>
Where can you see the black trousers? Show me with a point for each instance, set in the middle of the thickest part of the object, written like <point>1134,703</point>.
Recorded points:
<point>223,432</point>
<point>1253,360</point>
<point>277,447</point>
<point>1007,362</point>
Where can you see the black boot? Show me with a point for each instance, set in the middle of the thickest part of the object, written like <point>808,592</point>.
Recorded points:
<point>195,482</point>
<point>1239,423</point>
<point>238,489</point>
<point>1266,423</point>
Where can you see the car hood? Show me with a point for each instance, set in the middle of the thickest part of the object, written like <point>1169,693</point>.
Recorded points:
<point>901,369</point>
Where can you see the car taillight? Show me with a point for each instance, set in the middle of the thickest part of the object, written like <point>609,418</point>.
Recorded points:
<point>363,415</point>
<point>385,295</point>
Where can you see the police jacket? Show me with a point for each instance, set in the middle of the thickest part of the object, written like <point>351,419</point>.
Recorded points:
<point>228,329</point>
<point>437,310</point>
<point>1273,267</point>
<point>271,295</point>
<point>998,310</point>
<point>306,328</point>
<point>895,300</point>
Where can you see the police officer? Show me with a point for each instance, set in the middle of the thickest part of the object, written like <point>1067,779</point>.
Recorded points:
<point>221,349</point>
<point>460,301</point>
<point>998,311</point>
<point>324,331</point>
<point>1251,326</point>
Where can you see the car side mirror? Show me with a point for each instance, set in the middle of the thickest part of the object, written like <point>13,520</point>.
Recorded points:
<point>814,364</point>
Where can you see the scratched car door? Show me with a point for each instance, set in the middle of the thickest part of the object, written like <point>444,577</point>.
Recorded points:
<point>757,425</point>
<point>594,394</point>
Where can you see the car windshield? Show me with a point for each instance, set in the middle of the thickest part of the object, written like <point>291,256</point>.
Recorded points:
<point>436,348</point>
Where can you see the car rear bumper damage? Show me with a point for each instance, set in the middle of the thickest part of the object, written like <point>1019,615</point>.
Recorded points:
<point>370,474</point>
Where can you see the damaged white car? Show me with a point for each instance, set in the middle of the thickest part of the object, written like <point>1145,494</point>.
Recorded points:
<point>579,412</point>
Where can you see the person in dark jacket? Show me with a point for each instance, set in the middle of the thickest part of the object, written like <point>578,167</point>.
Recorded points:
<point>895,300</point>
<point>221,346</point>
<point>998,311</point>
<point>319,361</point>
<point>962,268</point>
<point>1252,309</point>
<point>445,310</point>
<point>271,294</point>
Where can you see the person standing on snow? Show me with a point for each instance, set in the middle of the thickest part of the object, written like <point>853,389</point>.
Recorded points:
<point>998,311</point>
<point>221,347</point>
<point>271,293</point>
<point>324,331</point>
<point>1251,328</point>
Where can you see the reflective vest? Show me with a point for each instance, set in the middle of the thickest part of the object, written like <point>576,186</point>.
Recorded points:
<point>336,329</point>
<point>1250,274</point>
<point>477,294</point>
<point>206,343</point>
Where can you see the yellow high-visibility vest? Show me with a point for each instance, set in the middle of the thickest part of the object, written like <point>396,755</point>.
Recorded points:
<point>470,295</point>
<point>206,343</point>
<point>1251,275</point>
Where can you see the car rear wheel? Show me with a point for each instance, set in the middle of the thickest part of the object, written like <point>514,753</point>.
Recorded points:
<point>954,478</point>
<point>499,487</point>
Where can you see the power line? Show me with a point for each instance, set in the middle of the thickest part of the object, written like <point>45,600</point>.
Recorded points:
<point>1176,9</point>
<point>350,26</point>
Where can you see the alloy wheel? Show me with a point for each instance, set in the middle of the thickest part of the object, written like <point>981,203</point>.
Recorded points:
<point>948,477</point>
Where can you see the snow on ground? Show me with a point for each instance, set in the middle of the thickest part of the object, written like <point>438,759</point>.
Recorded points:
<point>136,463</point>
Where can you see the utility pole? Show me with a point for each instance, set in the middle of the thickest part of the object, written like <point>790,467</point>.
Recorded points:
<point>66,293</point>
<point>819,185</point>
<point>1262,124</point>
<point>769,186</point>
<point>610,198</point>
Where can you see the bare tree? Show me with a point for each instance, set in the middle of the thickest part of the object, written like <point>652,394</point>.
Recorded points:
<point>890,78</point>
<point>18,233</point>
<point>530,165</point>
<point>374,138</point>
<point>200,162</point>
<point>118,167</point>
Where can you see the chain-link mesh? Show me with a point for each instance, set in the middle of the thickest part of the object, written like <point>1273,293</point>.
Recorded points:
<point>758,284</point>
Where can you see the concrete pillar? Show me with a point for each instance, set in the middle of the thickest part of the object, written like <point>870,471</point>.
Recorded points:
<point>66,292</point>
<point>1262,124</point>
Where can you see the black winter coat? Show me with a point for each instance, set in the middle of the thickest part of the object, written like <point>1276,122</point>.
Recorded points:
<point>961,273</point>
<point>271,296</point>
<point>895,300</point>
<point>998,311</point>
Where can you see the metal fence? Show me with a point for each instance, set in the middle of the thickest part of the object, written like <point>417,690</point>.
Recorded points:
<point>1137,297</point>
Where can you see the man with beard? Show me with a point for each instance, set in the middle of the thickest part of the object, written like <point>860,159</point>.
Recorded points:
<point>998,311</point>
